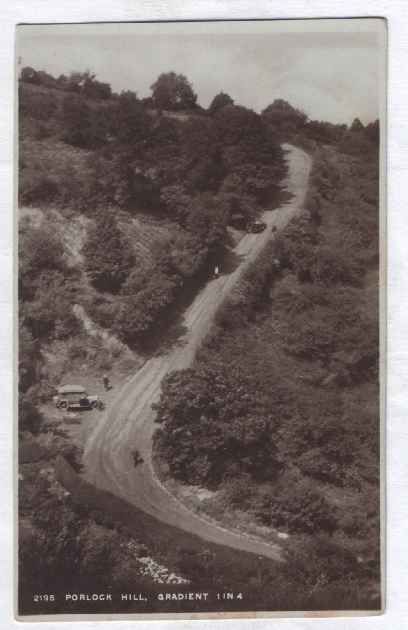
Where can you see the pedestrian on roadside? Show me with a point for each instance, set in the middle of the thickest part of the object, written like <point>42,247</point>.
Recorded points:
<point>216,272</point>
<point>106,383</point>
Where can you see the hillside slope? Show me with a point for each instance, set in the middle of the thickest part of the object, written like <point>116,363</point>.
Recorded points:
<point>130,420</point>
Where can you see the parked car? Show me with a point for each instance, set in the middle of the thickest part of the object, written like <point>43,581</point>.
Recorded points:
<point>256,226</point>
<point>76,397</point>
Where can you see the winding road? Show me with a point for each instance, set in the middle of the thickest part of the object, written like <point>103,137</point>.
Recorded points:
<point>129,421</point>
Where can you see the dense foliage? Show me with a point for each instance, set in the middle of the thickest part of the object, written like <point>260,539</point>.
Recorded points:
<point>98,156</point>
<point>218,429</point>
<point>291,124</point>
<point>304,402</point>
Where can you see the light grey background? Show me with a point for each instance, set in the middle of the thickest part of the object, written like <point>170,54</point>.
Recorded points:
<point>396,615</point>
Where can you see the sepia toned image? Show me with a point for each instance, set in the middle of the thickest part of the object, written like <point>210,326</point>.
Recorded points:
<point>200,289</point>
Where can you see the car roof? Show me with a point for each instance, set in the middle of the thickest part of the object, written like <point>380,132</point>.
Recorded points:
<point>71,389</point>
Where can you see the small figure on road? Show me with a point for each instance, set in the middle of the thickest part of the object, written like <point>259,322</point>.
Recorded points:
<point>137,458</point>
<point>106,382</point>
<point>216,272</point>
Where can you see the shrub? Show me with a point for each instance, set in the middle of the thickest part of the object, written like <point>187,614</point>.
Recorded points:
<point>76,122</point>
<point>335,265</point>
<point>250,293</point>
<point>36,186</point>
<point>29,418</point>
<point>105,312</point>
<point>108,257</point>
<point>139,313</point>
<point>77,350</point>
<point>298,509</point>
<point>40,250</point>
<point>214,428</point>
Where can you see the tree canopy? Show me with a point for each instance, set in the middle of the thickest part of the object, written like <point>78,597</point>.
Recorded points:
<point>284,117</point>
<point>173,91</point>
<point>219,101</point>
<point>356,125</point>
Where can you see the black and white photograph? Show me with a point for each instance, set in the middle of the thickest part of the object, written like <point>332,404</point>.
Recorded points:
<point>201,282</point>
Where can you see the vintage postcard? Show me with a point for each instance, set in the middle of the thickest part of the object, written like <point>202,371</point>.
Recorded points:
<point>200,342</point>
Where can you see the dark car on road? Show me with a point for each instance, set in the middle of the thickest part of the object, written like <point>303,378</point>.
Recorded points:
<point>241,222</point>
<point>256,226</point>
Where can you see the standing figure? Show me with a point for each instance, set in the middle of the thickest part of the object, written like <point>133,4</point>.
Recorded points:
<point>216,272</point>
<point>106,383</point>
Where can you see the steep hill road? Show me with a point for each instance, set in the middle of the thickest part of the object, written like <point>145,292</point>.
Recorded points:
<point>129,422</point>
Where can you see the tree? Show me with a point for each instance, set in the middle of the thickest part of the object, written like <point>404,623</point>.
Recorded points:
<point>208,220</point>
<point>76,121</point>
<point>29,75</point>
<point>40,250</point>
<point>373,131</point>
<point>356,125</point>
<point>77,80</point>
<point>97,552</point>
<point>202,155</point>
<point>252,159</point>
<point>236,125</point>
<point>28,358</point>
<point>96,89</point>
<point>143,310</point>
<point>173,91</point>
<point>131,122</point>
<point>108,257</point>
<point>301,509</point>
<point>29,417</point>
<point>283,117</point>
<point>219,101</point>
<point>325,132</point>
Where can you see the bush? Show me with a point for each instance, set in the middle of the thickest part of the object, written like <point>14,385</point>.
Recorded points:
<point>49,314</point>
<point>29,418</point>
<point>40,105</point>
<point>139,313</point>
<point>77,122</point>
<point>214,428</point>
<point>36,186</point>
<point>250,293</point>
<point>105,312</point>
<point>77,350</point>
<point>108,257</point>
<point>73,454</point>
<point>298,509</point>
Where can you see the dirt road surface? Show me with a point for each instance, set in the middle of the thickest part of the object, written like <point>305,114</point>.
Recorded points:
<point>129,421</point>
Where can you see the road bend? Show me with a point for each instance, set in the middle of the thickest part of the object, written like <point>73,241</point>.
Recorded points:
<point>128,423</point>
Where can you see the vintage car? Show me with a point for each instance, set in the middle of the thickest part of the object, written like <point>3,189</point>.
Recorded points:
<point>76,397</point>
<point>241,222</point>
<point>256,226</point>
